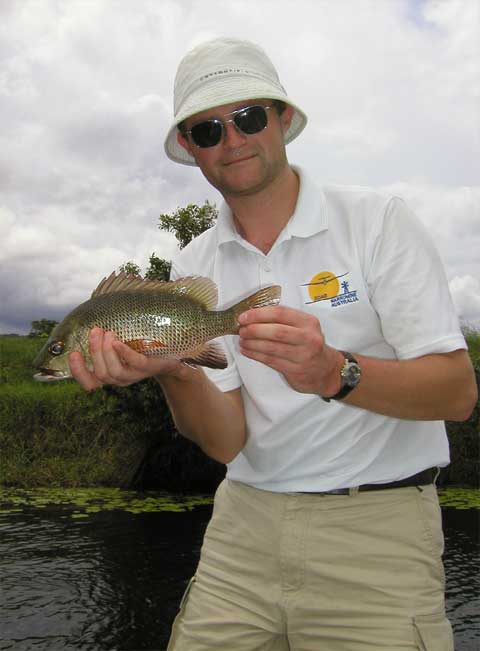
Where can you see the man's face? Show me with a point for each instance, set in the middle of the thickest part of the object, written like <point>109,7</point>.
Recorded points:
<point>241,164</point>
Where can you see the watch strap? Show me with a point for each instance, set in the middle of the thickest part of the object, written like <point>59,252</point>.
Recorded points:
<point>346,388</point>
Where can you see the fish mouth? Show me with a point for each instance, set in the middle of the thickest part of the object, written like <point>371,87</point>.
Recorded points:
<point>50,375</point>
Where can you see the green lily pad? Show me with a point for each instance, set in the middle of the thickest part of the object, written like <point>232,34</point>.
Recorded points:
<point>83,502</point>
<point>459,498</point>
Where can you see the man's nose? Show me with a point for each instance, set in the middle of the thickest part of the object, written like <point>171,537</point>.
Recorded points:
<point>232,136</point>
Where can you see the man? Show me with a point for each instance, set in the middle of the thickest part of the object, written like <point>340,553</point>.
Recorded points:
<point>326,534</point>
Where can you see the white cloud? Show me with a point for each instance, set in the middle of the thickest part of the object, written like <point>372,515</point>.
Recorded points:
<point>391,90</point>
<point>452,215</point>
<point>466,296</point>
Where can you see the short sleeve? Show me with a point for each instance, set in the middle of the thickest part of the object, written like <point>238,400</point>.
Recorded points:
<point>409,289</point>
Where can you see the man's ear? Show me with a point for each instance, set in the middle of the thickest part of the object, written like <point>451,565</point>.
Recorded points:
<point>184,142</point>
<point>286,117</point>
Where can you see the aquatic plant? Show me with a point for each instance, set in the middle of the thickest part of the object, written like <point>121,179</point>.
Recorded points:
<point>82,502</point>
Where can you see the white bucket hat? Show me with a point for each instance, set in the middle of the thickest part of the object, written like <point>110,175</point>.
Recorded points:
<point>223,71</point>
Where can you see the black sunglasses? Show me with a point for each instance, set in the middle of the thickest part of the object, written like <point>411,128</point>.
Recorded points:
<point>249,120</point>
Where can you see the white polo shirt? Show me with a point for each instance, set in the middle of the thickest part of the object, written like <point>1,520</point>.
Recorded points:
<point>360,261</point>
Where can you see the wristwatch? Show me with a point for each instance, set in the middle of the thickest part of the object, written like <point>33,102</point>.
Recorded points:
<point>350,375</point>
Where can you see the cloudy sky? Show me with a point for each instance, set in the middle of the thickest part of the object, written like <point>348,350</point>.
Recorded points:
<point>391,88</point>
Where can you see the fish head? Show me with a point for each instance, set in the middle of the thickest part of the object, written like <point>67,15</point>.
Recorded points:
<point>52,359</point>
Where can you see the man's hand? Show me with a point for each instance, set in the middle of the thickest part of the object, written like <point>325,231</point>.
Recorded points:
<point>438,386</point>
<point>292,343</point>
<point>115,363</point>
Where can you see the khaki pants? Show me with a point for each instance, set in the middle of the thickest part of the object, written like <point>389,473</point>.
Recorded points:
<point>307,572</point>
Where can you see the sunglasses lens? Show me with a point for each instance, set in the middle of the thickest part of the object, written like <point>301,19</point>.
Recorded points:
<point>249,120</point>
<point>252,119</point>
<point>207,134</point>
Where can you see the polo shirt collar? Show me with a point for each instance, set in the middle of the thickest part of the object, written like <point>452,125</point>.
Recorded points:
<point>309,218</point>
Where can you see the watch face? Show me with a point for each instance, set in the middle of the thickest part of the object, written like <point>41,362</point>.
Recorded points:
<point>351,374</point>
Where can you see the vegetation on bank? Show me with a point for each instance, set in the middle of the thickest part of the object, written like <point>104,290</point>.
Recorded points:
<point>58,435</point>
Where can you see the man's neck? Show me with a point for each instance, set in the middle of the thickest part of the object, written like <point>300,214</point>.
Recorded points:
<point>261,217</point>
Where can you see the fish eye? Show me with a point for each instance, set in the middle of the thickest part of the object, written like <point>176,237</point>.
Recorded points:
<point>56,347</point>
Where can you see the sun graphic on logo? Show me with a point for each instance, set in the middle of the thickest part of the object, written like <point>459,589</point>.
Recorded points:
<point>323,285</point>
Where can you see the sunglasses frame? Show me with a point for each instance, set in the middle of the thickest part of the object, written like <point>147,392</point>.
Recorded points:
<point>222,123</point>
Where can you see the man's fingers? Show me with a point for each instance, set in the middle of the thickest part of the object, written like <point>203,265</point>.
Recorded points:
<point>95,341</point>
<point>81,374</point>
<point>271,347</point>
<point>275,314</point>
<point>110,362</point>
<point>128,355</point>
<point>279,363</point>
<point>116,363</point>
<point>144,365</point>
<point>272,332</point>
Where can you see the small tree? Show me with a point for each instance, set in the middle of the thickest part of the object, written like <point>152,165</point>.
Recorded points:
<point>42,328</point>
<point>131,268</point>
<point>158,269</point>
<point>187,223</point>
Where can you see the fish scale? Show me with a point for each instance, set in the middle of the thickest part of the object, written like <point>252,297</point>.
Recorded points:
<point>151,320</point>
<point>171,319</point>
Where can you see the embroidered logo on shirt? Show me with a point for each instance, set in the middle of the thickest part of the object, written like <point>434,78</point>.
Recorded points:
<point>326,286</point>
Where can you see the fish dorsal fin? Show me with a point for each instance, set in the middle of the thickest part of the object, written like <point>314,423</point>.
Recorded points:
<point>198,288</point>
<point>117,283</point>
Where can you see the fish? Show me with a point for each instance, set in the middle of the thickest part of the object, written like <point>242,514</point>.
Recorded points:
<point>174,319</point>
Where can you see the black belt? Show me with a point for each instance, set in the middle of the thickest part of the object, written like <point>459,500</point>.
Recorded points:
<point>420,479</point>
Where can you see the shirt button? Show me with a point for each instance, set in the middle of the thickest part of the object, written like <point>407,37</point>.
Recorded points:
<point>266,266</point>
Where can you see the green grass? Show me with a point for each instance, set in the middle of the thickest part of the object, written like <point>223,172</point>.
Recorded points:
<point>16,357</point>
<point>57,434</point>
<point>473,341</point>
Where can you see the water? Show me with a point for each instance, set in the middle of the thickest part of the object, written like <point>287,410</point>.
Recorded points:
<point>113,580</point>
<point>462,569</point>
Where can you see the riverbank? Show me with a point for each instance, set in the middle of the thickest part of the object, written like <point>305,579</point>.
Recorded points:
<point>58,435</point>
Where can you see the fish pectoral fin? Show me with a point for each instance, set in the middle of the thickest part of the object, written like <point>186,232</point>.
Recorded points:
<point>145,346</point>
<point>210,355</point>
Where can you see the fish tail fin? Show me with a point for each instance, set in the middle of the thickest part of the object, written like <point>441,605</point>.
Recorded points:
<point>265,297</point>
